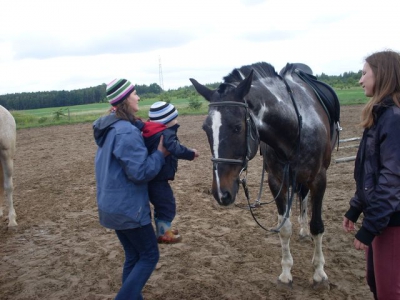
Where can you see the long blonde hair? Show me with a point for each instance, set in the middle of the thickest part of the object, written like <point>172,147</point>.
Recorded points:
<point>385,66</point>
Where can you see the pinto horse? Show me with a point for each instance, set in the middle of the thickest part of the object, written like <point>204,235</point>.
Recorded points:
<point>7,151</point>
<point>297,135</point>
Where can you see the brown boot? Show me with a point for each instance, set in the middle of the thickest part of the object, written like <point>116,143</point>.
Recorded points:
<point>169,238</point>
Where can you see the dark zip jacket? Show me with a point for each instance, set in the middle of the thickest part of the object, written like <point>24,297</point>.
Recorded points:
<point>152,132</point>
<point>377,174</point>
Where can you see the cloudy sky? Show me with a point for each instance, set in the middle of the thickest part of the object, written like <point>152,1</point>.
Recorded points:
<point>65,45</point>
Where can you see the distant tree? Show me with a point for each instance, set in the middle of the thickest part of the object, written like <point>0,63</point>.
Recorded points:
<point>59,113</point>
<point>194,103</point>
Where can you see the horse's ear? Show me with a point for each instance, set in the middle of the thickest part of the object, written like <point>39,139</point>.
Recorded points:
<point>244,87</point>
<point>202,90</point>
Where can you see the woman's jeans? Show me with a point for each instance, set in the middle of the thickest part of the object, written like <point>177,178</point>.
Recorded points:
<point>141,256</point>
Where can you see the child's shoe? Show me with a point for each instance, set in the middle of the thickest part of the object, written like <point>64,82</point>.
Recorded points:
<point>162,229</point>
<point>169,238</point>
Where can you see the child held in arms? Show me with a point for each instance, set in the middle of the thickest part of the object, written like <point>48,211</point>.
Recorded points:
<point>163,121</point>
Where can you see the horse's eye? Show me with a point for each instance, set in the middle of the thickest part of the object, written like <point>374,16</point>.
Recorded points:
<point>237,129</point>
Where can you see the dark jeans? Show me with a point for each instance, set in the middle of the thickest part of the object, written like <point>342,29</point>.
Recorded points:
<point>141,256</point>
<point>163,200</point>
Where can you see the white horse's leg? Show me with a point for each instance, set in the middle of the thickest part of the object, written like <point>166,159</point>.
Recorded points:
<point>318,261</point>
<point>8,167</point>
<point>303,218</point>
<point>287,260</point>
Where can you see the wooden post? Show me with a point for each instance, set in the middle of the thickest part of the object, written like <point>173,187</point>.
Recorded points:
<point>350,140</point>
<point>345,159</point>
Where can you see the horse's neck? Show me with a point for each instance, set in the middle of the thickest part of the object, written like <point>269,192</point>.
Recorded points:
<point>276,117</point>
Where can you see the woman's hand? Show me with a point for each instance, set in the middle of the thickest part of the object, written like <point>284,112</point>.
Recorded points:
<point>359,246</point>
<point>348,225</point>
<point>161,147</point>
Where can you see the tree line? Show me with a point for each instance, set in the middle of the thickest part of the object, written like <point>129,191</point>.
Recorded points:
<point>97,94</point>
<point>344,81</point>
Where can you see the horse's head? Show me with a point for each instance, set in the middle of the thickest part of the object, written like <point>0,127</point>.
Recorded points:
<point>231,133</point>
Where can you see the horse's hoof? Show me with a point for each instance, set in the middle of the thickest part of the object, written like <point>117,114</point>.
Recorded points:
<point>304,238</point>
<point>12,224</point>
<point>284,286</point>
<point>321,285</point>
<point>12,228</point>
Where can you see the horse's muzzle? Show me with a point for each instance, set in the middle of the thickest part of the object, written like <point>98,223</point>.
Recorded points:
<point>226,199</point>
<point>225,196</point>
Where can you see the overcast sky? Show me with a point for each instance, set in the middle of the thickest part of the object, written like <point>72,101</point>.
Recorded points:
<point>64,45</point>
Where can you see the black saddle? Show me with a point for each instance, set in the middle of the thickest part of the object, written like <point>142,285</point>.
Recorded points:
<point>325,94</point>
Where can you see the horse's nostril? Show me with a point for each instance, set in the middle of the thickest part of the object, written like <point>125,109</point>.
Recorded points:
<point>226,198</point>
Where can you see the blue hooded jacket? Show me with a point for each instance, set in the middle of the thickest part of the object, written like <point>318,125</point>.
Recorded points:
<point>123,169</point>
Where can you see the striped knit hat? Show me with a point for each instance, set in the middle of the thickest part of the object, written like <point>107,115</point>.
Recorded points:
<point>118,90</point>
<point>162,112</point>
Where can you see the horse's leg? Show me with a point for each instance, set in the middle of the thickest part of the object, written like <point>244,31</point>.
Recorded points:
<point>8,167</point>
<point>284,234</point>
<point>317,190</point>
<point>287,260</point>
<point>303,218</point>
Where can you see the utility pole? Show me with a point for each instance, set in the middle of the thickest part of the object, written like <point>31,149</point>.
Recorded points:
<point>160,75</point>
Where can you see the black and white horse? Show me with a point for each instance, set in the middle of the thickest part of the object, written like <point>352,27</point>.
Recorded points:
<point>297,134</point>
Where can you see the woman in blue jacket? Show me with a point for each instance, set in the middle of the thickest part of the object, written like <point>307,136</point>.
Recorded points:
<point>123,169</point>
<point>377,176</point>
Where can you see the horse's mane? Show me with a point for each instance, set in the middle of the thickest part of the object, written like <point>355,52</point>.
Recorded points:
<point>262,70</point>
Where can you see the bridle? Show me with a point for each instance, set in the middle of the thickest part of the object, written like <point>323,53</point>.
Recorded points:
<point>252,136</point>
<point>250,126</point>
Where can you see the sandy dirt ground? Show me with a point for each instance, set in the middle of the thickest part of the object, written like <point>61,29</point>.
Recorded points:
<point>59,250</point>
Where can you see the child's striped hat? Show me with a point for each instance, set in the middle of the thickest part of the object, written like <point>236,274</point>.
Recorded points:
<point>162,112</point>
<point>118,90</point>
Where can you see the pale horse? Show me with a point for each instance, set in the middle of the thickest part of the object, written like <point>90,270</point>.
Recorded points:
<point>8,136</point>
